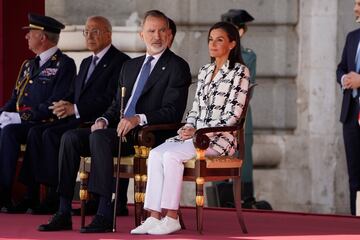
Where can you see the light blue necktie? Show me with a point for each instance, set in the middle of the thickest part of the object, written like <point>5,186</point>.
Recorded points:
<point>144,75</point>
<point>91,68</point>
<point>357,63</point>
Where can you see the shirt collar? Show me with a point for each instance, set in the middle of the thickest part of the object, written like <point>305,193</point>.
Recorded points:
<point>155,60</point>
<point>44,56</point>
<point>102,53</point>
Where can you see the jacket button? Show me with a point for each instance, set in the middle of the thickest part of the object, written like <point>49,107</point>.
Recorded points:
<point>31,81</point>
<point>25,94</point>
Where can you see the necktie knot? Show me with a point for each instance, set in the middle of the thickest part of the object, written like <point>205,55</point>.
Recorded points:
<point>37,60</point>
<point>94,59</point>
<point>149,59</point>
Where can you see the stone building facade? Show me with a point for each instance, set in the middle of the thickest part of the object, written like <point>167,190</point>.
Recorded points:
<point>298,149</point>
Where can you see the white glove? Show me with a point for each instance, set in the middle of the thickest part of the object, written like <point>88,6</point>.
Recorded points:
<point>7,118</point>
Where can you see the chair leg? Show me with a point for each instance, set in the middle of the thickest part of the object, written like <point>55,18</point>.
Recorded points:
<point>237,200</point>
<point>181,219</point>
<point>199,203</point>
<point>137,198</point>
<point>144,214</point>
<point>83,195</point>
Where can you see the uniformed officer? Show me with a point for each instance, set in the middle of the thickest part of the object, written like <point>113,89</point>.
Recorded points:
<point>41,81</point>
<point>240,18</point>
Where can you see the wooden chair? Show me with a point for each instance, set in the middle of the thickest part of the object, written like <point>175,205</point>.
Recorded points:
<point>133,166</point>
<point>202,169</point>
<point>199,169</point>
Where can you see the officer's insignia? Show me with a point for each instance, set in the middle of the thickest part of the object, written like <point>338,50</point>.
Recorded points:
<point>54,58</point>
<point>25,116</point>
<point>26,72</point>
<point>49,72</point>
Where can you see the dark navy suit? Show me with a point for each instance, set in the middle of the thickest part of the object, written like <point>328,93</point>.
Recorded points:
<point>92,99</point>
<point>34,92</point>
<point>163,100</point>
<point>349,116</point>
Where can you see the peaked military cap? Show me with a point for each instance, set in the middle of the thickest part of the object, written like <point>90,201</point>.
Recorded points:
<point>237,16</point>
<point>44,23</point>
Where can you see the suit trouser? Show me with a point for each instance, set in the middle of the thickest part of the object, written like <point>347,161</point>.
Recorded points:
<point>101,145</point>
<point>11,137</point>
<point>351,133</point>
<point>165,174</point>
<point>41,163</point>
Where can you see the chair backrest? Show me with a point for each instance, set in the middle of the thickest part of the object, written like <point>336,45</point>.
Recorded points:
<point>241,125</point>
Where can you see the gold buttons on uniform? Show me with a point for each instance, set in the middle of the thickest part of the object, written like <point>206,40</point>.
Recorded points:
<point>25,94</point>
<point>31,81</point>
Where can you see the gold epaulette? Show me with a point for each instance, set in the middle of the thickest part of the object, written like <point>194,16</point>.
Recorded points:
<point>21,84</point>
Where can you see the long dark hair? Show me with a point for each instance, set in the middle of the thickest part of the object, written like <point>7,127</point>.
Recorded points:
<point>233,35</point>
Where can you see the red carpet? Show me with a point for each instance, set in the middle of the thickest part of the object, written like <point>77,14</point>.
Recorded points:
<point>218,224</point>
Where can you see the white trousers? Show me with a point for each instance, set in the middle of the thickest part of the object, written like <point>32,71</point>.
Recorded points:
<point>165,174</point>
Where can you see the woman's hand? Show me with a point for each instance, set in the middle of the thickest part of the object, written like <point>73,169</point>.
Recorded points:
<point>186,132</point>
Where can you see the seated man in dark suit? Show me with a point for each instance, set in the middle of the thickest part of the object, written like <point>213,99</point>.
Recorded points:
<point>156,92</point>
<point>41,81</point>
<point>92,93</point>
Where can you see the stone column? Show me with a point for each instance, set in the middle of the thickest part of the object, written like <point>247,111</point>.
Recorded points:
<point>317,121</point>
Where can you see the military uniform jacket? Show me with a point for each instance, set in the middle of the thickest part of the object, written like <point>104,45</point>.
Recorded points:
<point>249,58</point>
<point>219,102</point>
<point>35,90</point>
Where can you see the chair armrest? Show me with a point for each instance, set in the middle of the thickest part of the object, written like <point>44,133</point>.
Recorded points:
<point>146,134</point>
<point>202,141</point>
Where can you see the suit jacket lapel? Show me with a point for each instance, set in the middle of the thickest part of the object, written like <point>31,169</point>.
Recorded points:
<point>353,50</point>
<point>130,81</point>
<point>80,78</point>
<point>100,67</point>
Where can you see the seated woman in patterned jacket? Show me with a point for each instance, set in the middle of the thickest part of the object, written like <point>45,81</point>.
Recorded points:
<point>219,101</point>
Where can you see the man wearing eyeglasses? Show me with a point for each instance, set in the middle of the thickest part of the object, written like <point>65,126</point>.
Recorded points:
<point>92,92</point>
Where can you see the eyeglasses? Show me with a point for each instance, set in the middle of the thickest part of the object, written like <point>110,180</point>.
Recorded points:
<point>94,32</point>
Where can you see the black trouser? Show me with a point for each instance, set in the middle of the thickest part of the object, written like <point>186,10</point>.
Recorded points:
<point>41,163</point>
<point>103,145</point>
<point>351,133</point>
<point>11,137</point>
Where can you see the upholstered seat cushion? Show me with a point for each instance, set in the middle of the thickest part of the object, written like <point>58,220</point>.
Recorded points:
<point>128,160</point>
<point>217,162</point>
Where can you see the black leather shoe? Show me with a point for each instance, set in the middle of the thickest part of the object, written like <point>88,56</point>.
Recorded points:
<point>99,224</point>
<point>21,207</point>
<point>58,222</point>
<point>45,208</point>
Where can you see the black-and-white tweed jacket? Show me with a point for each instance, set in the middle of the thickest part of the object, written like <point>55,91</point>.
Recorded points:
<point>219,102</point>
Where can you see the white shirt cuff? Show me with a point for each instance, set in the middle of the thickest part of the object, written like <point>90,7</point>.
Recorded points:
<point>103,119</point>
<point>143,119</point>
<point>342,81</point>
<point>77,114</point>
